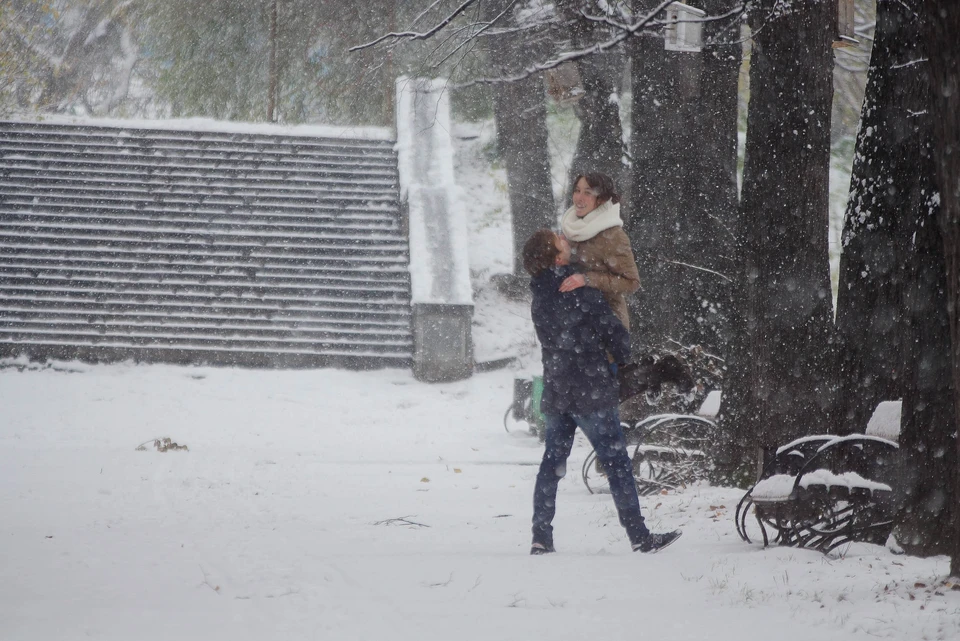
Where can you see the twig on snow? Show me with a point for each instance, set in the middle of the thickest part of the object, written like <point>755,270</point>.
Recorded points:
<point>401,520</point>
<point>442,584</point>
<point>206,581</point>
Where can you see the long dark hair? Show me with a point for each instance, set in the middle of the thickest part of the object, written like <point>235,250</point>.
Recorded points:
<point>602,184</point>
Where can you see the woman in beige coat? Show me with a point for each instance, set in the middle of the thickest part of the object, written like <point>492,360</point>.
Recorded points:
<point>598,244</point>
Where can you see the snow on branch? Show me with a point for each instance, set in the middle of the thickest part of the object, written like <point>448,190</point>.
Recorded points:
<point>413,35</point>
<point>426,11</point>
<point>607,20</point>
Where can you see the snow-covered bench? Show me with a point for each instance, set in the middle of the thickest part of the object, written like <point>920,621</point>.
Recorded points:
<point>823,491</point>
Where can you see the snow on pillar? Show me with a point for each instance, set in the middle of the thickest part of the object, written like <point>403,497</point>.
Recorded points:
<point>439,266</point>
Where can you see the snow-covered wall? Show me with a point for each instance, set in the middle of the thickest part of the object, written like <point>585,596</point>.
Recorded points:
<point>439,259</point>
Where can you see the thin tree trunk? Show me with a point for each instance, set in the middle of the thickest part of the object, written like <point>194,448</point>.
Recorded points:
<point>521,119</point>
<point>520,113</point>
<point>600,142</point>
<point>781,380</point>
<point>272,83</point>
<point>943,25</point>
<point>389,85</point>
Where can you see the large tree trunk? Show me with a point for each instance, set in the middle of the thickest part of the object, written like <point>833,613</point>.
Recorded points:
<point>781,379</point>
<point>927,505</point>
<point>710,196</point>
<point>943,25</point>
<point>875,244</point>
<point>654,197</point>
<point>520,112</point>
<point>890,192</point>
<point>891,311</point>
<point>683,196</point>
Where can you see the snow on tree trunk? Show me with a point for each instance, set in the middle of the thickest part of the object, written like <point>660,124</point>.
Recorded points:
<point>891,311</point>
<point>889,191</point>
<point>780,382</point>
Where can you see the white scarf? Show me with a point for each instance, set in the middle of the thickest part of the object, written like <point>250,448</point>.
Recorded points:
<point>579,229</point>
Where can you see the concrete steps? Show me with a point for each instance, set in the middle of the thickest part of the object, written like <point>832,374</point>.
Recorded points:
<point>234,247</point>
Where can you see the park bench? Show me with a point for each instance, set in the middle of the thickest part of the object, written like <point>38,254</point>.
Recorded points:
<point>823,491</point>
<point>670,451</point>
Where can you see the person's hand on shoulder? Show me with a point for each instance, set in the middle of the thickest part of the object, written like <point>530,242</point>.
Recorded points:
<point>573,282</point>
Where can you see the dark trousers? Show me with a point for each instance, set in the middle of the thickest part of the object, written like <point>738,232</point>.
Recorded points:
<point>605,434</point>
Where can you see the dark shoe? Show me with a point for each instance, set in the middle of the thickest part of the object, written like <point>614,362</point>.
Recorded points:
<point>655,542</point>
<point>540,548</point>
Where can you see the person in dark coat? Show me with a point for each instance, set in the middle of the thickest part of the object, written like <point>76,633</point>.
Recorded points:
<point>579,334</point>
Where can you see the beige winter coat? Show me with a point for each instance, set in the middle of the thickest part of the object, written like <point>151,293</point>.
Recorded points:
<point>606,259</point>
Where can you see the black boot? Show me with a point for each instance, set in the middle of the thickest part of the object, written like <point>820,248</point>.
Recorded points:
<point>655,542</point>
<point>541,548</point>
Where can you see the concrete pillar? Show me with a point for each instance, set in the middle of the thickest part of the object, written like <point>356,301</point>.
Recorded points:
<point>439,262</point>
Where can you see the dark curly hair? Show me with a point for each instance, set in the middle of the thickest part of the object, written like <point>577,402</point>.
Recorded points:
<point>540,251</point>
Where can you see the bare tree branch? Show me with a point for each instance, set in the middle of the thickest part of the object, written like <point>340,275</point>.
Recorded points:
<point>426,11</point>
<point>628,31</point>
<point>616,24</point>
<point>484,29</point>
<point>413,35</point>
<point>738,11</point>
<point>476,34</point>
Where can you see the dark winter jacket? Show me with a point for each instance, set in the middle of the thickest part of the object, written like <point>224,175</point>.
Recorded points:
<point>577,330</point>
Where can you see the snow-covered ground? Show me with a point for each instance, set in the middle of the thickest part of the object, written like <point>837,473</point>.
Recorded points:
<point>342,505</point>
<point>365,505</point>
